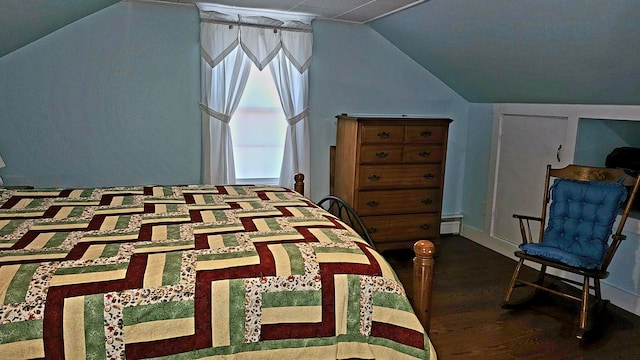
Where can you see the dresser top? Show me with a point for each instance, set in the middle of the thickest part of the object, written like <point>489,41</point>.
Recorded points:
<point>390,117</point>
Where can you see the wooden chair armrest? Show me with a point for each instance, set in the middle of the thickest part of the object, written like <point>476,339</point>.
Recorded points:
<point>526,217</point>
<point>619,237</point>
<point>525,226</point>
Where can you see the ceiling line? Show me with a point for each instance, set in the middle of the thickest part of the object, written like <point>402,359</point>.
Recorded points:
<point>161,2</point>
<point>396,10</point>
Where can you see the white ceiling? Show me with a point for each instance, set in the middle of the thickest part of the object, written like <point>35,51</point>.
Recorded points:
<point>359,11</point>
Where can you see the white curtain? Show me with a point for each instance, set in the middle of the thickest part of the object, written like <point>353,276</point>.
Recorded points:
<point>224,70</point>
<point>292,87</point>
<point>228,43</point>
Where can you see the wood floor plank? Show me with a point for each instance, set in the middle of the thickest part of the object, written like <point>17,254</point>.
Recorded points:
<point>467,321</point>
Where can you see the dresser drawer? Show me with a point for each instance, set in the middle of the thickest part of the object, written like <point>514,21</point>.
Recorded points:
<point>422,153</point>
<point>381,202</point>
<point>382,134</point>
<point>399,176</point>
<point>381,154</point>
<point>402,227</point>
<point>425,134</point>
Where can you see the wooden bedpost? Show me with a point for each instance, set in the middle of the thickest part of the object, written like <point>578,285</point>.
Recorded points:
<point>423,280</point>
<point>299,183</point>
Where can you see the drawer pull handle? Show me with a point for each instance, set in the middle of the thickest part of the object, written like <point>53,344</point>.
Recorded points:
<point>373,177</point>
<point>424,153</point>
<point>382,154</point>
<point>425,226</point>
<point>429,176</point>
<point>383,134</point>
<point>428,201</point>
<point>426,133</point>
<point>372,230</point>
<point>373,203</point>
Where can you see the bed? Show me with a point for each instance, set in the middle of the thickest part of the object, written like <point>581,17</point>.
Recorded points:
<point>198,271</point>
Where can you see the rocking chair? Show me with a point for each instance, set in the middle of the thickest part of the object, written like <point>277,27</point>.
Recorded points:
<point>585,202</point>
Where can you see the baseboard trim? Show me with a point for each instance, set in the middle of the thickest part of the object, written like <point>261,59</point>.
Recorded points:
<point>451,224</point>
<point>619,297</point>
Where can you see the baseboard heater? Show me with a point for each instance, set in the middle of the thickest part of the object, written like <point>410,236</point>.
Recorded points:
<point>451,224</point>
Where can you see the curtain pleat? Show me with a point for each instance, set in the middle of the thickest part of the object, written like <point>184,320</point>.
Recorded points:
<point>260,44</point>
<point>217,41</point>
<point>297,47</point>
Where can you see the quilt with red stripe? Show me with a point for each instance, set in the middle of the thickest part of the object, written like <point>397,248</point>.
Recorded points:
<point>218,272</point>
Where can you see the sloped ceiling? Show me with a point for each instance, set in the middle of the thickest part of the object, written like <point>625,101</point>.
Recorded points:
<point>24,21</point>
<point>489,51</point>
<point>542,51</point>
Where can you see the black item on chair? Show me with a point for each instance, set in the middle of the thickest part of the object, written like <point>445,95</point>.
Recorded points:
<point>624,157</point>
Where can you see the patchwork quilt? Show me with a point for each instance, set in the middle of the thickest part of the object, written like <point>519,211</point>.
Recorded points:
<point>218,272</point>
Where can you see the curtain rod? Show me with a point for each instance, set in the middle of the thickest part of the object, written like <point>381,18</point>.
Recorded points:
<point>238,23</point>
<point>171,3</point>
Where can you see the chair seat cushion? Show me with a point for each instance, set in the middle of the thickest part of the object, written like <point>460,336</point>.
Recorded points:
<point>581,217</point>
<point>551,253</point>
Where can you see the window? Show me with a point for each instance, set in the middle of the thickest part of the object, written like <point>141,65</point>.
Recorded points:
<point>258,129</point>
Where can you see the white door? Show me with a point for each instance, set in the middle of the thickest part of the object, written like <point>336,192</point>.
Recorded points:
<point>526,145</point>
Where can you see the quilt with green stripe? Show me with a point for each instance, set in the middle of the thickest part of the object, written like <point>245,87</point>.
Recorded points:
<point>184,272</point>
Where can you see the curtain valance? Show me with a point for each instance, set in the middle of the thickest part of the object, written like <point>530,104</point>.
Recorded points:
<point>260,37</point>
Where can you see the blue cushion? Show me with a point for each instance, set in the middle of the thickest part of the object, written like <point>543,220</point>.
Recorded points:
<point>581,217</point>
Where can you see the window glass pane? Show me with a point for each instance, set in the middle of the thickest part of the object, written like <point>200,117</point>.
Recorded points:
<point>258,130</point>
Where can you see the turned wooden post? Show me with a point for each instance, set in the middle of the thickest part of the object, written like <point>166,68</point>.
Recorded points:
<point>299,183</point>
<point>423,280</point>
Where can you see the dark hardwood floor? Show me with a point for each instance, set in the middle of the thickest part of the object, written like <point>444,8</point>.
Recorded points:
<point>467,321</point>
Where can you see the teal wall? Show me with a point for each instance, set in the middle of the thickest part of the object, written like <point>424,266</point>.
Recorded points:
<point>598,137</point>
<point>477,164</point>
<point>111,99</point>
<point>355,70</point>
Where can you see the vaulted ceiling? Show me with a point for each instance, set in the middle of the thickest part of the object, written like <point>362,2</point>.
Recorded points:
<point>490,51</point>
<point>24,21</point>
<point>542,51</point>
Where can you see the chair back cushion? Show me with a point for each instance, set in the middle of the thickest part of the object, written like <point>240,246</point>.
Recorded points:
<point>581,218</point>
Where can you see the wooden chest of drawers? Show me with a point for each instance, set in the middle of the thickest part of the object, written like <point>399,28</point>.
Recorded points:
<point>391,171</point>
